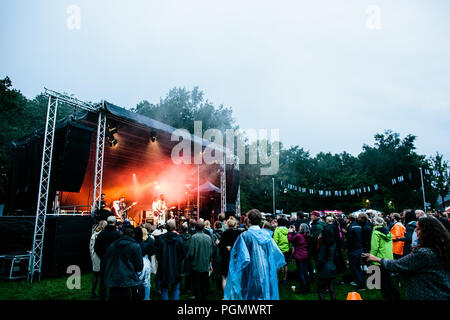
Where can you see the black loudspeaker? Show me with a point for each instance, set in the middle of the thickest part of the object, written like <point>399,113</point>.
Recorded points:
<point>66,243</point>
<point>73,148</point>
<point>16,234</point>
<point>70,157</point>
<point>232,176</point>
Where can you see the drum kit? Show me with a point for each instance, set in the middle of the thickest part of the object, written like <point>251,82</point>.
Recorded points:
<point>154,217</point>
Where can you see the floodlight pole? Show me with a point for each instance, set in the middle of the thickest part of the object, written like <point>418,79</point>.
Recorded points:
<point>223,185</point>
<point>238,197</point>
<point>198,191</point>
<point>273,195</point>
<point>423,191</point>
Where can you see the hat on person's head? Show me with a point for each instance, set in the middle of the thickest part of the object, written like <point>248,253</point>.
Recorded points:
<point>129,230</point>
<point>111,220</point>
<point>315,213</point>
<point>127,223</point>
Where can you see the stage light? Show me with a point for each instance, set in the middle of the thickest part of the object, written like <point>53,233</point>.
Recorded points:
<point>112,130</point>
<point>153,135</point>
<point>112,143</point>
<point>157,187</point>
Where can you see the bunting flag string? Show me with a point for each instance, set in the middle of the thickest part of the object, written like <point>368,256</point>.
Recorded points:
<point>354,191</point>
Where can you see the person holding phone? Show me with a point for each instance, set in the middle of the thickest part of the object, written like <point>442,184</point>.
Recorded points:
<point>427,268</point>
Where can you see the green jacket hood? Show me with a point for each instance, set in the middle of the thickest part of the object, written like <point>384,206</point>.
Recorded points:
<point>383,233</point>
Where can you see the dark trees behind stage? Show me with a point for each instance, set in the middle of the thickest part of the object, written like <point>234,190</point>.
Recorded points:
<point>389,157</point>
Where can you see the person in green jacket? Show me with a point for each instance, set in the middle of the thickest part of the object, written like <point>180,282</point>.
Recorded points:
<point>381,247</point>
<point>281,239</point>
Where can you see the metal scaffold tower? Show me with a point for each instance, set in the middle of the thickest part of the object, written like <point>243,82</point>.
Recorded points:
<point>54,98</point>
<point>99,156</point>
<point>223,185</point>
<point>238,197</point>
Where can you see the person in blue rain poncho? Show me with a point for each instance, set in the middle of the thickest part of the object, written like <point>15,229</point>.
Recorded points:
<point>254,261</point>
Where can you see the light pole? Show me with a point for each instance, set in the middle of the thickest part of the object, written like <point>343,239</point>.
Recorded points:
<point>423,191</point>
<point>198,188</point>
<point>273,193</point>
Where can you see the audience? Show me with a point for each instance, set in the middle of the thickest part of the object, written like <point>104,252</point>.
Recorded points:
<point>244,262</point>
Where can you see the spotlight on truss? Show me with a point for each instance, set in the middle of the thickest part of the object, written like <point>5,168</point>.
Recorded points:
<point>153,135</point>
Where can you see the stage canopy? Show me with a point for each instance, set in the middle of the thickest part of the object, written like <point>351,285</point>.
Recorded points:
<point>207,187</point>
<point>136,167</point>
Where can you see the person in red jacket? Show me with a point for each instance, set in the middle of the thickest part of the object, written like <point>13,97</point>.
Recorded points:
<point>300,242</point>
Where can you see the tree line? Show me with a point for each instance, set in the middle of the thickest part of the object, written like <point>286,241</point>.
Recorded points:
<point>389,157</point>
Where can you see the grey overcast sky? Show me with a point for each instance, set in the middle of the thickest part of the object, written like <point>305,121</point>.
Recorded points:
<point>320,71</point>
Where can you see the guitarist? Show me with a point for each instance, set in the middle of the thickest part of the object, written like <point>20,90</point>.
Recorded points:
<point>159,208</point>
<point>121,209</point>
<point>118,206</point>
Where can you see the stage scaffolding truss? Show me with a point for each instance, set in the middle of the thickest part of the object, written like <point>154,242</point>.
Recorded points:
<point>54,98</point>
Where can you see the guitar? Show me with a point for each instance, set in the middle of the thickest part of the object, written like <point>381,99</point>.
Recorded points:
<point>120,213</point>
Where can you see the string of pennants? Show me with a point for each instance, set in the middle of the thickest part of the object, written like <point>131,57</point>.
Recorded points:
<point>426,171</point>
<point>329,193</point>
<point>351,192</point>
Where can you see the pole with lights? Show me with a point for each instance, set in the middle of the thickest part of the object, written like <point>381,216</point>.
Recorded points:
<point>423,191</point>
<point>273,194</point>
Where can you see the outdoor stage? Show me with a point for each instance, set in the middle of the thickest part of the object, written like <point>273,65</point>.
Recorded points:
<point>111,150</point>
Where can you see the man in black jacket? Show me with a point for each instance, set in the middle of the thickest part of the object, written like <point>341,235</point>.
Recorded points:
<point>300,219</point>
<point>364,222</point>
<point>123,260</point>
<point>410,218</point>
<point>170,255</point>
<point>355,249</point>
<point>186,236</point>
<point>104,240</point>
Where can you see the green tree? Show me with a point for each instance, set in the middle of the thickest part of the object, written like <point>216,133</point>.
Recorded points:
<point>181,107</point>
<point>392,157</point>
<point>22,117</point>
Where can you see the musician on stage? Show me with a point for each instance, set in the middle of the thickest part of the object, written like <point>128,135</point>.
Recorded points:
<point>102,211</point>
<point>159,208</point>
<point>119,208</point>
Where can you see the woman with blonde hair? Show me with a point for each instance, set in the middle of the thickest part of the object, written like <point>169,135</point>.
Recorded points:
<point>94,257</point>
<point>208,227</point>
<point>147,249</point>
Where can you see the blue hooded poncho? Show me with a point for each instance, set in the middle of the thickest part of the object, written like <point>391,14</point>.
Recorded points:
<point>254,261</point>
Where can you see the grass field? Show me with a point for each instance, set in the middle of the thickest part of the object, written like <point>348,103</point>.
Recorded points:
<point>56,289</point>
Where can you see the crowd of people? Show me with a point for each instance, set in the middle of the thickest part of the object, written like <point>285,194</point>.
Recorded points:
<point>248,258</point>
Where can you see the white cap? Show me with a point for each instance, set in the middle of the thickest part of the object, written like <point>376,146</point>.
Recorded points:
<point>111,220</point>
